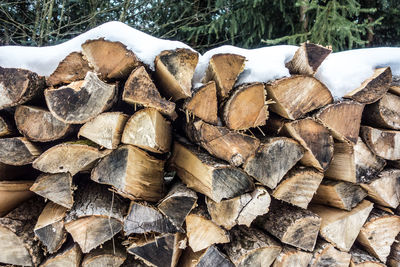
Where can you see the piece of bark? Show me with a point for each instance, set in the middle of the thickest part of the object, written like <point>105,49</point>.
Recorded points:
<point>68,256</point>
<point>10,172</point>
<point>298,186</point>
<point>297,95</point>
<point>140,89</point>
<point>56,187</point>
<point>49,228</point>
<point>342,119</point>
<point>231,146</point>
<point>209,257</point>
<point>149,130</point>
<point>339,194</point>
<point>360,258</point>
<point>394,256</point>
<point>325,254</point>
<point>105,129</point>
<point>206,175</point>
<point>384,113</point>
<point>373,88</point>
<point>246,108</point>
<point>5,127</point>
<point>12,194</point>
<point>291,257</point>
<point>19,86</point>
<point>72,68</point>
<point>251,247</point>
<point>316,140</point>
<point>18,244</point>
<point>395,85</point>
<point>299,227</point>
<point>18,151</point>
<point>204,104</point>
<point>111,254</point>
<point>307,59</point>
<point>341,227</point>
<point>80,101</point>
<point>384,143</point>
<point>174,71</point>
<point>121,170</point>
<point>241,210</point>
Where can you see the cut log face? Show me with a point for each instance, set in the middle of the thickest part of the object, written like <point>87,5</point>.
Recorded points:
<point>342,119</point>
<point>28,118</point>
<point>18,151</point>
<point>367,164</point>
<point>297,95</point>
<point>12,194</point>
<point>135,181</point>
<point>105,129</point>
<point>384,113</point>
<point>110,255</point>
<point>211,256</point>
<point>298,186</point>
<point>86,99</point>
<point>70,256</point>
<point>240,116</point>
<point>343,165</point>
<point>111,59</point>
<point>316,140</point>
<point>384,143</point>
<point>149,130</point>
<point>291,257</point>
<point>325,254</point>
<point>208,176</point>
<point>140,89</point>
<point>360,258</point>
<point>174,72</point>
<point>5,127</point>
<point>18,86</point>
<point>341,227</point>
<point>373,88</point>
<point>72,68</point>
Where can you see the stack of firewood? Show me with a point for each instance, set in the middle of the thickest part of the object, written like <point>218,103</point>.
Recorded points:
<point>109,163</point>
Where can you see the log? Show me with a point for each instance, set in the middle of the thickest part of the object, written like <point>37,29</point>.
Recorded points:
<point>18,151</point>
<point>297,95</point>
<point>149,130</point>
<point>240,116</point>
<point>72,68</point>
<point>316,140</point>
<point>307,59</point>
<point>111,254</point>
<point>174,71</point>
<point>69,256</point>
<point>105,129</point>
<point>395,85</point>
<point>298,186</point>
<point>139,89</point>
<point>394,256</point>
<point>341,227</point>
<point>209,257</point>
<point>28,118</point>
<point>325,254</point>
<point>384,143</point>
<point>19,86</point>
<point>86,99</point>
<point>384,113</point>
<point>129,179</point>
<point>360,258</point>
<point>5,127</point>
<point>49,228</point>
<point>131,260</point>
<point>206,175</point>
<point>291,257</point>
<point>112,60</point>
<point>12,194</point>
<point>342,119</point>
<point>373,88</point>
<point>266,165</point>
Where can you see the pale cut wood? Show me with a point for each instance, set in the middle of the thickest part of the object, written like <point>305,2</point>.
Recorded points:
<point>18,151</point>
<point>174,71</point>
<point>69,256</point>
<point>12,194</point>
<point>297,95</point>
<point>5,127</point>
<point>384,113</point>
<point>360,258</point>
<point>209,257</point>
<point>373,88</point>
<point>105,129</point>
<point>149,130</point>
<point>384,143</point>
<point>325,254</point>
<point>341,227</point>
<point>111,254</point>
<point>291,257</point>
<point>86,99</point>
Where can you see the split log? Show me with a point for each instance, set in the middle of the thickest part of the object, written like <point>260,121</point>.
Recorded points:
<point>325,254</point>
<point>121,170</point>
<point>140,89</point>
<point>384,113</point>
<point>110,254</point>
<point>12,194</point>
<point>38,124</point>
<point>266,165</point>
<point>384,143</point>
<point>360,258</point>
<point>241,210</point>
<point>5,127</point>
<point>86,99</point>
<point>149,130</point>
<point>373,88</point>
<point>240,116</point>
<point>105,129</point>
<point>298,186</point>
<point>111,59</point>
<point>174,71</point>
<point>72,68</point>
<point>394,256</point>
<point>291,257</point>
<point>341,227</point>
<point>49,228</point>
<point>209,257</point>
<point>19,86</point>
<point>297,95</point>
<point>69,256</point>
<point>206,175</point>
<point>131,261</point>
<point>316,140</point>
<point>307,59</point>
<point>18,151</point>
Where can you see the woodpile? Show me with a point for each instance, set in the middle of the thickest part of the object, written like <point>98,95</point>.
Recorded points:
<point>140,168</point>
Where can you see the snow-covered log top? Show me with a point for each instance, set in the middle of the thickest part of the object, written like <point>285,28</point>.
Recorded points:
<point>340,72</point>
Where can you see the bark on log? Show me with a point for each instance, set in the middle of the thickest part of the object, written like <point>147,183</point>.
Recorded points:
<point>384,143</point>
<point>12,194</point>
<point>292,257</point>
<point>69,256</point>
<point>307,59</point>
<point>394,256</point>
<point>209,257</point>
<point>18,151</point>
<point>385,113</point>
<point>360,258</point>
<point>325,255</point>
<point>395,85</point>
<point>111,254</point>
<point>5,127</point>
